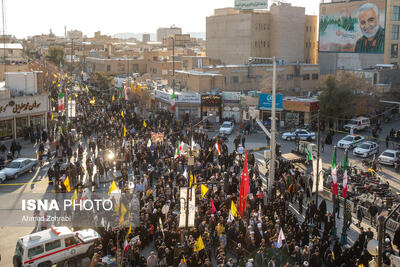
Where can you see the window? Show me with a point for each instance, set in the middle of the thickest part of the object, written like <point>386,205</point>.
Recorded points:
<point>394,51</point>
<point>314,76</point>
<point>234,79</point>
<point>264,27</point>
<point>280,77</point>
<point>53,245</point>
<point>32,252</point>
<point>395,32</point>
<point>306,77</point>
<point>396,13</point>
<point>185,63</point>
<point>306,28</point>
<point>108,68</point>
<point>268,44</point>
<point>255,43</point>
<point>70,241</point>
<point>289,77</point>
<point>269,26</point>
<point>264,43</point>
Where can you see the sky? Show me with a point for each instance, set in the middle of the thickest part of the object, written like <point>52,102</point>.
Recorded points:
<point>30,17</point>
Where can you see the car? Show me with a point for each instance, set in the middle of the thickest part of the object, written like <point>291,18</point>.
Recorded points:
<point>54,245</point>
<point>19,166</point>
<point>389,157</point>
<point>358,124</point>
<point>303,134</point>
<point>366,149</point>
<point>226,127</point>
<point>350,141</point>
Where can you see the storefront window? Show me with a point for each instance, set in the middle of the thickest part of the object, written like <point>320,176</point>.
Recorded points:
<point>22,124</point>
<point>6,129</point>
<point>38,122</point>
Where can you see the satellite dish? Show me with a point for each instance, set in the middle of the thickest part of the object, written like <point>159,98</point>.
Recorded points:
<point>372,247</point>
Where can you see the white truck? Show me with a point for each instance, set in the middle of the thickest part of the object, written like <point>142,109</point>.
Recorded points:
<point>54,245</point>
<point>357,124</point>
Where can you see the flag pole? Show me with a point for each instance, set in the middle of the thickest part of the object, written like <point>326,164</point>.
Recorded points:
<point>334,197</point>
<point>318,155</point>
<point>344,228</point>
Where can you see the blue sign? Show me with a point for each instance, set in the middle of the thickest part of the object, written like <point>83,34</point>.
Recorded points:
<point>265,101</point>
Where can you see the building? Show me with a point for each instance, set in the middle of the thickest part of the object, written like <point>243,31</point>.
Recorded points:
<point>197,81</point>
<point>292,78</point>
<point>338,47</point>
<point>13,52</point>
<point>162,70</point>
<point>115,66</point>
<point>167,32</point>
<point>285,31</point>
<point>22,104</point>
<point>74,35</point>
<point>146,37</point>
<point>12,68</point>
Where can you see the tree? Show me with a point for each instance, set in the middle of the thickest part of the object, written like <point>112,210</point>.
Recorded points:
<point>56,55</point>
<point>335,102</point>
<point>103,81</point>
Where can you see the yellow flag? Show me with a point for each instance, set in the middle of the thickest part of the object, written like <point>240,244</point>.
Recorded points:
<point>233,209</point>
<point>87,89</point>
<point>74,197</point>
<point>113,187</point>
<point>67,185</point>
<point>52,100</point>
<point>113,98</point>
<point>125,131</point>
<point>92,101</point>
<point>129,231</point>
<point>69,98</point>
<point>193,177</point>
<point>54,82</point>
<point>47,74</point>
<point>184,259</point>
<point>199,245</point>
<point>55,76</point>
<point>371,170</point>
<point>144,124</point>
<point>204,190</point>
<point>123,212</point>
<point>122,114</point>
<point>66,75</point>
<point>76,95</point>
<point>52,116</point>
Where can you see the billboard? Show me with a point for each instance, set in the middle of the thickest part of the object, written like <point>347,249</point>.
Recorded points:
<point>251,4</point>
<point>353,27</point>
<point>265,101</point>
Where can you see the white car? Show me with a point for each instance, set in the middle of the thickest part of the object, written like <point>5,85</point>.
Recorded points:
<point>366,149</point>
<point>350,141</point>
<point>226,127</point>
<point>54,245</point>
<point>19,166</point>
<point>303,134</point>
<point>389,157</point>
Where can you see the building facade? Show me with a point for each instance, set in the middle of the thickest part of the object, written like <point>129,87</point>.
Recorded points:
<point>115,66</point>
<point>167,32</point>
<point>233,36</point>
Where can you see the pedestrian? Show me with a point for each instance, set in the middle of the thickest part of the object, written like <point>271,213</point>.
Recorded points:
<point>360,215</point>
<point>373,210</point>
<point>322,145</point>
<point>243,141</point>
<point>387,141</point>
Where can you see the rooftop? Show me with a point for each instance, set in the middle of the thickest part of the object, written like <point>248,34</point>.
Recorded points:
<point>197,73</point>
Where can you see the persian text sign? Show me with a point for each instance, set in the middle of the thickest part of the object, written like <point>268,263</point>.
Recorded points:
<point>251,4</point>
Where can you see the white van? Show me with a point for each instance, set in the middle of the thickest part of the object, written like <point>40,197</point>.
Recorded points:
<point>54,245</point>
<point>358,124</point>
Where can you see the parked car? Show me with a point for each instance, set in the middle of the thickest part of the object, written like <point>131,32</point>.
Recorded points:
<point>358,124</point>
<point>366,149</point>
<point>389,157</point>
<point>350,141</point>
<point>303,134</point>
<point>19,166</point>
<point>226,127</point>
<point>54,245</point>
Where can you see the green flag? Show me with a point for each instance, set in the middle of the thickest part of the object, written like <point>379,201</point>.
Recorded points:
<point>309,157</point>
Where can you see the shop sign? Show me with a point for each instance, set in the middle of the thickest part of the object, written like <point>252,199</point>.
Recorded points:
<point>162,95</point>
<point>18,108</point>
<point>211,100</point>
<point>188,98</point>
<point>265,101</point>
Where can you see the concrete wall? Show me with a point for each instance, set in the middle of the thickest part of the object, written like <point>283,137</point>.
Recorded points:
<point>26,82</point>
<point>12,68</point>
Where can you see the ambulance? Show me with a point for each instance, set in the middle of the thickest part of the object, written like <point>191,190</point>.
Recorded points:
<point>54,245</point>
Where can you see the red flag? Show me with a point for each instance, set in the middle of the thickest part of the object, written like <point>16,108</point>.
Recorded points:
<point>244,186</point>
<point>126,246</point>
<point>212,206</point>
<point>217,148</point>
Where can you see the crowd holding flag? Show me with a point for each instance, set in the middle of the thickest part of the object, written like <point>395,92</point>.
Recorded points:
<point>199,245</point>
<point>204,190</point>
<point>281,237</point>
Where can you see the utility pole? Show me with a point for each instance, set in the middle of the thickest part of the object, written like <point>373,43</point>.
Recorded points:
<point>318,145</point>
<point>271,178</point>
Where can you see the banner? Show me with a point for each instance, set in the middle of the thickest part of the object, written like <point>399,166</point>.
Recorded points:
<point>157,137</point>
<point>321,176</point>
<point>192,207</point>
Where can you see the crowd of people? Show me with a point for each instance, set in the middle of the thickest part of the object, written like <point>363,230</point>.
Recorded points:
<point>158,169</point>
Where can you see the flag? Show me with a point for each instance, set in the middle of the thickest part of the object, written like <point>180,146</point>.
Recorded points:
<point>217,148</point>
<point>244,187</point>
<point>126,92</point>
<point>47,73</point>
<point>173,101</point>
<point>126,246</point>
<point>193,180</point>
<point>309,157</point>
<point>92,101</point>
<point>280,238</point>
<point>113,187</point>
<point>125,131</point>
<point>345,163</point>
<point>122,114</point>
<point>52,116</point>
<point>87,89</point>
<point>129,231</point>
<point>149,143</point>
<point>123,212</point>
<point>334,173</point>
<point>212,206</point>
<point>233,209</point>
<point>113,98</point>
<point>177,151</point>
<point>61,104</point>
<point>276,217</point>
<point>74,197</point>
<point>67,185</point>
<point>131,86</point>
<point>184,260</point>
<point>55,76</point>
<point>144,124</point>
<point>199,245</point>
<point>204,190</point>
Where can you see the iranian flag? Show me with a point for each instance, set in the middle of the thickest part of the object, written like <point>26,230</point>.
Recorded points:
<point>61,104</point>
<point>345,175</point>
<point>334,173</point>
<point>217,148</point>
<point>178,151</point>
<point>173,101</point>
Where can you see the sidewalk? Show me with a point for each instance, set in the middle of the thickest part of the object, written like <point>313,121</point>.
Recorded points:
<point>28,150</point>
